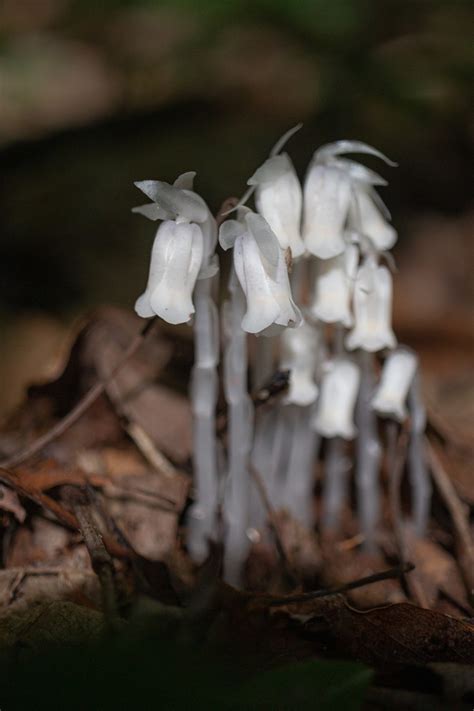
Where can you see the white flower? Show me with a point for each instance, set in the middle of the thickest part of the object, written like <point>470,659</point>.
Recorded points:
<point>335,408</point>
<point>333,287</point>
<point>366,217</point>
<point>327,197</point>
<point>372,308</point>
<point>300,350</point>
<point>329,194</point>
<point>261,270</point>
<point>182,251</point>
<point>279,200</point>
<point>397,375</point>
<point>176,259</point>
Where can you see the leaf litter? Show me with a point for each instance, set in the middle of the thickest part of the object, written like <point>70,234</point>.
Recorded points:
<point>121,537</point>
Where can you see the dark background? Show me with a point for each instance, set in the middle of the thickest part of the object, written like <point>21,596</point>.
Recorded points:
<point>97,94</point>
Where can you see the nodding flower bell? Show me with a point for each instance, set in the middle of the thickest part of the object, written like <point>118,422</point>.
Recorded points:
<point>182,251</point>
<point>279,200</point>
<point>372,308</point>
<point>261,269</point>
<point>333,287</point>
<point>335,408</point>
<point>397,376</point>
<point>368,218</point>
<point>300,349</point>
<point>329,194</point>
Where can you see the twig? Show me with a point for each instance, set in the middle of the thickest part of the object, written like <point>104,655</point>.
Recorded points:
<point>389,574</point>
<point>272,521</point>
<point>101,561</point>
<point>149,450</point>
<point>397,444</point>
<point>64,516</point>
<point>80,408</point>
<point>459,516</point>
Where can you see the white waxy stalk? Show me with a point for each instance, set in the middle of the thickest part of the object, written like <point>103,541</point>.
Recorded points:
<point>372,330</point>
<point>265,429</point>
<point>368,454</point>
<point>299,354</point>
<point>417,463</point>
<point>338,393</point>
<point>204,393</point>
<point>367,218</point>
<point>397,376</point>
<point>298,495</point>
<point>261,269</point>
<point>183,255</point>
<point>333,287</point>
<point>335,485</point>
<point>327,197</point>
<point>240,434</point>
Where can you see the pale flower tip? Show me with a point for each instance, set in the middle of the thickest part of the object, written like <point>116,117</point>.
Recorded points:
<point>395,382</point>
<point>338,394</point>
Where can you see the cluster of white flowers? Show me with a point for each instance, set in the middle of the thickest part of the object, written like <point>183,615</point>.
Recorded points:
<point>310,273</point>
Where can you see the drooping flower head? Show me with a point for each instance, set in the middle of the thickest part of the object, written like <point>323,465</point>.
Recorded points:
<point>261,269</point>
<point>333,287</point>
<point>331,194</point>
<point>300,350</point>
<point>335,407</point>
<point>279,197</point>
<point>372,330</point>
<point>182,251</point>
<point>397,376</point>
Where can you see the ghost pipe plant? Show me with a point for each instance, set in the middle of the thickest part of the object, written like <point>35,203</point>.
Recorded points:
<point>182,266</point>
<point>309,288</point>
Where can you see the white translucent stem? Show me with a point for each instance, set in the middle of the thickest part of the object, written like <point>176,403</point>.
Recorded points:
<point>298,495</point>
<point>417,465</point>
<point>240,434</point>
<point>204,393</point>
<point>279,457</point>
<point>335,486</point>
<point>368,454</point>
<point>263,364</point>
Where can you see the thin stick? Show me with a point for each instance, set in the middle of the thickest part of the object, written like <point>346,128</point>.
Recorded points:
<point>84,403</point>
<point>361,582</point>
<point>65,517</point>
<point>102,563</point>
<point>260,484</point>
<point>397,446</point>
<point>459,516</point>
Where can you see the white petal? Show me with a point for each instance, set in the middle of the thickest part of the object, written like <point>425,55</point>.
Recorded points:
<point>185,181</point>
<point>175,262</point>
<point>264,237</point>
<point>300,348</point>
<point>340,147</point>
<point>228,233</point>
<point>368,220</point>
<point>180,203</point>
<point>279,200</point>
<point>397,375</point>
<point>327,196</point>
<point>335,407</point>
<point>333,287</point>
<point>372,309</point>
<point>262,308</point>
<point>357,171</point>
<point>152,211</point>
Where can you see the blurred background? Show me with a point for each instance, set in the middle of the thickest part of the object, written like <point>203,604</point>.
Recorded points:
<point>95,95</point>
